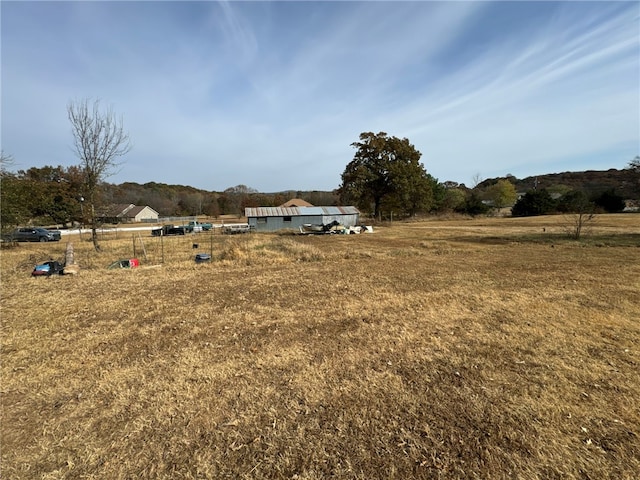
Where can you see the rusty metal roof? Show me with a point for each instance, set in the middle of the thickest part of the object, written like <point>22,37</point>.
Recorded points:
<point>298,211</point>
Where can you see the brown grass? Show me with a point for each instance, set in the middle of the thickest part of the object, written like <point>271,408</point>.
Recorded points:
<point>439,349</point>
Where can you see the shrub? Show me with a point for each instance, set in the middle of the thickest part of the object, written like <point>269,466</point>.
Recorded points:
<point>534,202</point>
<point>610,201</point>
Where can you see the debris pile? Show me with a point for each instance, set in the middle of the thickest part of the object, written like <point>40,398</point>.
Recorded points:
<point>333,228</point>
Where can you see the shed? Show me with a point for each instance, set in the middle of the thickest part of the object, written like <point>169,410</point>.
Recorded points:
<point>271,219</point>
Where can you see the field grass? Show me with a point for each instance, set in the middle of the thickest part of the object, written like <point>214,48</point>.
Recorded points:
<point>487,348</point>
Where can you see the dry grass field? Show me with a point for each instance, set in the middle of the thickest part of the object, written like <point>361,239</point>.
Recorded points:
<point>458,348</point>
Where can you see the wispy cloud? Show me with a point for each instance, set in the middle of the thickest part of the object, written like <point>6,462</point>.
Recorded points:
<point>271,94</point>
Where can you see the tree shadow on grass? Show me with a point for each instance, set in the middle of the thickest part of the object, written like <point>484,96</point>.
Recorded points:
<point>608,240</point>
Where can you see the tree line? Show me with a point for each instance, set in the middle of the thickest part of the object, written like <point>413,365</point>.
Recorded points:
<point>386,175</point>
<point>55,196</point>
<point>385,179</point>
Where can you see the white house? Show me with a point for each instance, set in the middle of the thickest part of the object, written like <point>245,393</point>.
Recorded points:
<point>129,213</point>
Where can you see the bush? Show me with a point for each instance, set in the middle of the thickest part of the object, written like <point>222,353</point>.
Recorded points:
<point>610,201</point>
<point>573,202</point>
<point>473,206</point>
<point>534,202</point>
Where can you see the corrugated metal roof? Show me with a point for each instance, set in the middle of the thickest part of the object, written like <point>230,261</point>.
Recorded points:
<point>339,210</point>
<point>311,210</point>
<point>296,211</point>
<point>271,212</point>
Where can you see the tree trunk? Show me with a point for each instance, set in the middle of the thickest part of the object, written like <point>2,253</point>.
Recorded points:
<point>70,266</point>
<point>94,228</point>
<point>376,202</point>
<point>68,256</point>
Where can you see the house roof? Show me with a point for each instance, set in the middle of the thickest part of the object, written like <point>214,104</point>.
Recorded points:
<point>298,211</point>
<point>132,212</point>
<point>296,202</point>
<point>124,210</point>
<point>117,209</point>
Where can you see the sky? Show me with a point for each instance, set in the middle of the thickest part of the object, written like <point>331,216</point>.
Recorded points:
<point>272,94</point>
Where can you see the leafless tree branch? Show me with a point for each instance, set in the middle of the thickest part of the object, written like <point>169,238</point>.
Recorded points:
<point>99,140</point>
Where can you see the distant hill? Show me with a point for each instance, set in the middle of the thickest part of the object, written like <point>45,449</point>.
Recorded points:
<point>174,200</point>
<point>180,200</point>
<point>592,182</point>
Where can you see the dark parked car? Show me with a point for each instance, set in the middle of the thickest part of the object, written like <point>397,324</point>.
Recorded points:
<point>168,230</point>
<point>35,234</point>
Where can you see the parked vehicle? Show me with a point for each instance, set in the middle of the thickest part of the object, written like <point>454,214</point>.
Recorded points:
<point>35,234</point>
<point>237,228</point>
<point>195,226</point>
<point>168,230</point>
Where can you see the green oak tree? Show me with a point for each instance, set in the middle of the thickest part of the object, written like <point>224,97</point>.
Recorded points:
<point>386,171</point>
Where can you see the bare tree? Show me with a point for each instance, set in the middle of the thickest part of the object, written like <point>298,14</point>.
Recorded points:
<point>578,224</point>
<point>582,214</point>
<point>476,179</point>
<point>6,161</point>
<point>98,140</point>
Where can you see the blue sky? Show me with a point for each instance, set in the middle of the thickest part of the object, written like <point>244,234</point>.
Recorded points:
<point>272,94</point>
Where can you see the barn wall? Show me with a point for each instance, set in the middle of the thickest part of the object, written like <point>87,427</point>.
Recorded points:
<point>275,223</point>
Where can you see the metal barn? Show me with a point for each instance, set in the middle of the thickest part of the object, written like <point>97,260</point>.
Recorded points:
<point>271,219</point>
